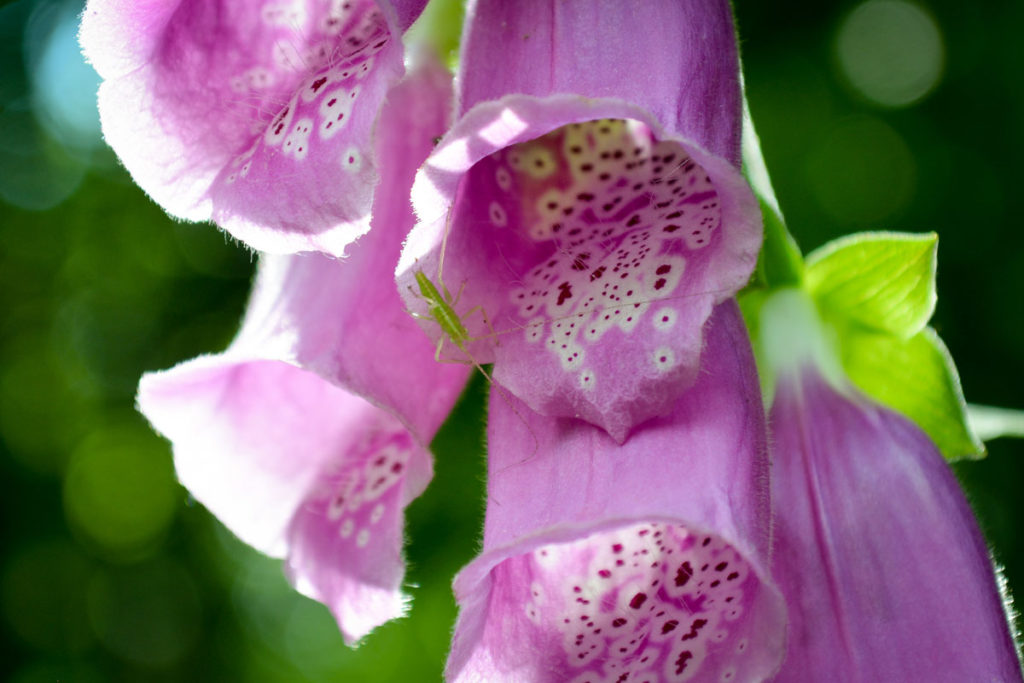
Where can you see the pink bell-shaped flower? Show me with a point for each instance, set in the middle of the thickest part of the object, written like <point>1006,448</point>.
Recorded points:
<point>308,436</point>
<point>587,210</point>
<point>885,573</point>
<point>646,561</point>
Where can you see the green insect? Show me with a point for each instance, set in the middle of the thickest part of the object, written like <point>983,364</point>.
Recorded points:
<point>443,313</point>
<point>441,308</point>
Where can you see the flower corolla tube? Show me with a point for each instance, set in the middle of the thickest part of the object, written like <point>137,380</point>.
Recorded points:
<point>884,570</point>
<point>643,562</point>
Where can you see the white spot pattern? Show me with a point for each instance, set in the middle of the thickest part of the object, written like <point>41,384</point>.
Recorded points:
<point>296,143</point>
<point>650,602</point>
<point>624,212</point>
<point>355,495</point>
<point>351,159</point>
<point>335,46</point>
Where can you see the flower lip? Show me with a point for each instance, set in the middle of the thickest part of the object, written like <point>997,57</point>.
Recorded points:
<point>651,597</point>
<point>546,208</point>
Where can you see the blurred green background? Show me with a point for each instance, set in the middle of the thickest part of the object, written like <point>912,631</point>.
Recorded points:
<point>873,115</point>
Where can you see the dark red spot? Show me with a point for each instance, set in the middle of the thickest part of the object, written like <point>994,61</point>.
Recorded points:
<point>318,83</point>
<point>671,228</point>
<point>618,622</point>
<point>659,283</point>
<point>696,626</point>
<point>681,661</point>
<point>564,292</point>
<point>720,566</point>
<point>638,600</point>
<point>662,269</point>
<point>684,573</point>
<point>669,626</point>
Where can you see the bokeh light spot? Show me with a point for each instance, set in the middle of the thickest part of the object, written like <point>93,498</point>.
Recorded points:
<point>120,489</point>
<point>41,417</point>
<point>64,86</point>
<point>58,672</point>
<point>862,172</point>
<point>149,614</point>
<point>890,51</point>
<point>43,600</point>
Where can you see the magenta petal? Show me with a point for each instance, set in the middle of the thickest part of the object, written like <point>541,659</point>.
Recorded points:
<point>307,436</point>
<point>647,558</point>
<point>883,567</point>
<point>256,115</point>
<point>585,234</point>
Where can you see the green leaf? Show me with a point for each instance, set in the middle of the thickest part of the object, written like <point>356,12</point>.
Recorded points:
<point>917,378</point>
<point>882,281</point>
<point>439,26</point>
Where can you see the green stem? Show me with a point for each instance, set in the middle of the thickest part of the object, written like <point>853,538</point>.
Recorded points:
<point>780,263</point>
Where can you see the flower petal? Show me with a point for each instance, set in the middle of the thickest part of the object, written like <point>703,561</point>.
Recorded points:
<point>257,115</point>
<point>307,436</point>
<point>645,559</point>
<point>586,240</point>
<point>883,567</point>
<point>676,60</point>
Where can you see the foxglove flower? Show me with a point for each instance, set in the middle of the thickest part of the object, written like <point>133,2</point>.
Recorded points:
<point>256,114</point>
<point>586,212</point>
<point>885,573</point>
<point>307,437</point>
<point>640,562</point>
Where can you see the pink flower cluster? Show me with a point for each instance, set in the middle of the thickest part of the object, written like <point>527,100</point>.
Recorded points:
<point>586,226</point>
